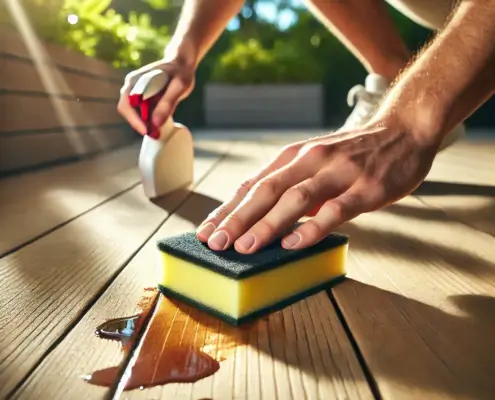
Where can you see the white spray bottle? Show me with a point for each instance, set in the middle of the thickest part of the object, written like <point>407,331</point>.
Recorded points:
<point>166,159</point>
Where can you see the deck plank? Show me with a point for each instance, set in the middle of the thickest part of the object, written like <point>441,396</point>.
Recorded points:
<point>419,302</point>
<point>37,202</point>
<point>50,282</point>
<point>300,351</point>
<point>462,183</point>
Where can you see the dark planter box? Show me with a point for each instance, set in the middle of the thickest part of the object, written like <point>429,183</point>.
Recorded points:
<point>250,106</point>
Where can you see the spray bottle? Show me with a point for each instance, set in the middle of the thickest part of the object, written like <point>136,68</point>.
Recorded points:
<point>166,158</point>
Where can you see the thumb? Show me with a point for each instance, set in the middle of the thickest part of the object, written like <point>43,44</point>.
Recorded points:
<point>167,104</point>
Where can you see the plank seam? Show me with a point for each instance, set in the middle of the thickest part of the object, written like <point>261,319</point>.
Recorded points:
<point>450,216</point>
<point>357,351</point>
<point>110,281</point>
<point>67,97</point>
<point>61,129</point>
<point>62,224</point>
<point>112,392</point>
<point>61,161</point>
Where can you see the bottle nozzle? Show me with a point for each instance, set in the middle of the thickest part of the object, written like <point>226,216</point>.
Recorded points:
<point>146,94</point>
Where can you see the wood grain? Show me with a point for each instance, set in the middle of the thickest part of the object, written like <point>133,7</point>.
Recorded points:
<point>13,44</point>
<point>31,113</point>
<point>300,352</point>
<point>21,152</point>
<point>420,302</point>
<point>19,75</point>
<point>462,182</point>
<point>34,203</point>
<point>48,284</point>
<point>56,104</point>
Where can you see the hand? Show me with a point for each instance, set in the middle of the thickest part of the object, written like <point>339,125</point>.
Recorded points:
<point>180,86</point>
<point>343,174</point>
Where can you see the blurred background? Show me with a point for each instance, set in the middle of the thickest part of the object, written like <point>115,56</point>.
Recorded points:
<point>275,66</point>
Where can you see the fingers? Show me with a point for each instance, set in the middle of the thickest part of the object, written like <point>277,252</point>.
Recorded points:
<point>167,104</point>
<point>205,230</point>
<point>208,226</point>
<point>128,112</point>
<point>177,88</point>
<point>358,199</point>
<point>260,200</point>
<point>293,204</point>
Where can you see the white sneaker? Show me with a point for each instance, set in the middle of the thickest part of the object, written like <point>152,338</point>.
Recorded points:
<point>368,98</point>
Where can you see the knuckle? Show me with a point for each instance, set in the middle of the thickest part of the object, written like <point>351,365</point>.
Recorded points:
<point>337,208</point>
<point>244,187</point>
<point>233,223</point>
<point>377,198</point>
<point>289,151</point>
<point>358,203</point>
<point>184,80</point>
<point>217,213</point>
<point>267,186</point>
<point>164,107</point>
<point>313,230</point>
<point>300,194</point>
<point>266,228</point>
<point>315,150</point>
<point>121,108</point>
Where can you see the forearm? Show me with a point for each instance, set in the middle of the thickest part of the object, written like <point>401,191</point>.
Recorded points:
<point>200,24</point>
<point>452,77</point>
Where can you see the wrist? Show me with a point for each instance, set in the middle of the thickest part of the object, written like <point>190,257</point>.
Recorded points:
<point>421,115</point>
<point>182,51</point>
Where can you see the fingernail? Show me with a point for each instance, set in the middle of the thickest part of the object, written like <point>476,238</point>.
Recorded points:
<point>206,230</point>
<point>291,240</point>
<point>219,240</point>
<point>246,241</point>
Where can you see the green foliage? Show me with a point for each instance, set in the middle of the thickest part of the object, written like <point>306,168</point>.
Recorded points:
<point>102,33</point>
<point>131,33</point>
<point>42,15</point>
<point>246,62</point>
<point>251,63</point>
<point>257,53</point>
<point>159,4</point>
<point>95,29</point>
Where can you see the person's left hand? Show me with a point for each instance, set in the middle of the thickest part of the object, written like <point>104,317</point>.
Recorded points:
<point>343,175</point>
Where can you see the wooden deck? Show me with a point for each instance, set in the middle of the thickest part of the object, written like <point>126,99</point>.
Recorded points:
<point>415,319</point>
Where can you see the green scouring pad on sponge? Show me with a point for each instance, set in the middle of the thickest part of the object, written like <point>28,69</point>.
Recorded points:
<point>239,287</point>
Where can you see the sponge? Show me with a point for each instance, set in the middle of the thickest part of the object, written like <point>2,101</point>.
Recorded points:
<point>239,287</point>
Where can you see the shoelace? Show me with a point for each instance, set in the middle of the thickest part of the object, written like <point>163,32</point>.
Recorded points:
<point>366,101</point>
<point>359,92</point>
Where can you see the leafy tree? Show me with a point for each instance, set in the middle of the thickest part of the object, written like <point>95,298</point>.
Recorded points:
<point>161,12</point>
<point>103,33</point>
<point>95,29</point>
<point>251,63</point>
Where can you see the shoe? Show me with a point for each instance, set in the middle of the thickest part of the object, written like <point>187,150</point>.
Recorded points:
<point>368,98</point>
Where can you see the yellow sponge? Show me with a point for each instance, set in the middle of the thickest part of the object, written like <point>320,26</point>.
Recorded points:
<point>239,287</point>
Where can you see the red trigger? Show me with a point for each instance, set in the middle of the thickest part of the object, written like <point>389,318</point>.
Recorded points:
<point>135,100</point>
<point>146,109</point>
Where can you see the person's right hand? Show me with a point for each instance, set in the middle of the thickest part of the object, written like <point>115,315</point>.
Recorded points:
<point>180,86</point>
